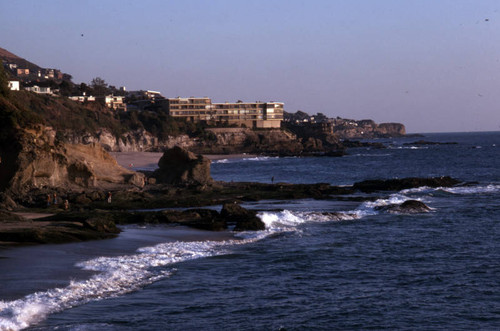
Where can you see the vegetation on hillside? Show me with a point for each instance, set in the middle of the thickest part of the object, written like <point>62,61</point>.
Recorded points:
<point>23,108</point>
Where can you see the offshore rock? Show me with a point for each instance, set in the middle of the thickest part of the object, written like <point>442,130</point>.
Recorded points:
<point>244,219</point>
<point>178,166</point>
<point>407,207</point>
<point>369,186</point>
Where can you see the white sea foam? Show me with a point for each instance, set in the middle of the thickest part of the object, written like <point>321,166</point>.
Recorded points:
<point>372,155</point>
<point>369,208</point>
<point>255,158</point>
<point>408,147</point>
<point>491,188</point>
<point>116,276</point>
<point>260,158</point>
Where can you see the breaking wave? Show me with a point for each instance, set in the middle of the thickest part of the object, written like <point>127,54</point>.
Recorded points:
<point>463,190</point>
<point>255,158</point>
<point>116,276</point>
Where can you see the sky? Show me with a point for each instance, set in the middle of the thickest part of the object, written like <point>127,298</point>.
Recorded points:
<point>433,65</point>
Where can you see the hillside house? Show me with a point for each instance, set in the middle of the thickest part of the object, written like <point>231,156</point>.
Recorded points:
<point>14,85</point>
<point>40,89</point>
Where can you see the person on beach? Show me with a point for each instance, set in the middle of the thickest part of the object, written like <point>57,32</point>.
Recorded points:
<point>66,204</point>
<point>55,201</point>
<point>109,197</point>
<point>49,200</point>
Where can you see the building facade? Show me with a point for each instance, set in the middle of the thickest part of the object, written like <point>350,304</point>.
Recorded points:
<point>14,85</point>
<point>251,114</point>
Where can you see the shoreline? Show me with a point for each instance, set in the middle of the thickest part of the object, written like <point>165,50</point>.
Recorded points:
<point>55,264</point>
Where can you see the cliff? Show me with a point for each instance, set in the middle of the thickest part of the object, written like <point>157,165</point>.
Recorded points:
<point>350,129</point>
<point>32,158</point>
<point>304,124</point>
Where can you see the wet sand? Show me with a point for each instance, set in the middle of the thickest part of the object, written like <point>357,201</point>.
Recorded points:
<point>149,160</point>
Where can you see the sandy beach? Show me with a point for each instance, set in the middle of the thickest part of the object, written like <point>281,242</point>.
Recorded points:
<point>149,160</point>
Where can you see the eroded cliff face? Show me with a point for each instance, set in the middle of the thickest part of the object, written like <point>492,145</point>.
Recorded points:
<point>244,140</point>
<point>369,129</point>
<point>133,141</point>
<point>34,159</point>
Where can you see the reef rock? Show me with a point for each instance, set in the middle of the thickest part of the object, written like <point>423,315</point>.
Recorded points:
<point>179,166</point>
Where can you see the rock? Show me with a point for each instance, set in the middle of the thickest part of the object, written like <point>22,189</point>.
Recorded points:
<point>101,224</point>
<point>6,202</point>
<point>407,207</point>
<point>369,186</point>
<point>244,219</point>
<point>136,179</point>
<point>179,166</point>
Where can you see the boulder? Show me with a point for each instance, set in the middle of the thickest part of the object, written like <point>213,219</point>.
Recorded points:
<point>243,219</point>
<point>179,166</point>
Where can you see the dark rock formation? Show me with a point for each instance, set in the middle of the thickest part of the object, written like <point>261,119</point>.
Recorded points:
<point>369,186</point>
<point>179,166</point>
<point>407,207</point>
<point>243,219</point>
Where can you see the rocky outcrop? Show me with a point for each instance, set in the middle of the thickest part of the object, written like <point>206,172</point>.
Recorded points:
<point>34,159</point>
<point>369,186</point>
<point>245,140</point>
<point>179,166</point>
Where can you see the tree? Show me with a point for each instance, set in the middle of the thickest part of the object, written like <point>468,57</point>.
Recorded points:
<point>99,86</point>
<point>4,82</point>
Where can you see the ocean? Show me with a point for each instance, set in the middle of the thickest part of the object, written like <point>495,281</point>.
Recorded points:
<point>320,264</point>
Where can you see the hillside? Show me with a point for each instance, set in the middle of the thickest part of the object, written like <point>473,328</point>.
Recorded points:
<point>9,57</point>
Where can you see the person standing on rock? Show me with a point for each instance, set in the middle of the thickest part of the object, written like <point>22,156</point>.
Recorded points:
<point>109,197</point>
<point>55,201</point>
<point>49,200</point>
<point>66,204</point>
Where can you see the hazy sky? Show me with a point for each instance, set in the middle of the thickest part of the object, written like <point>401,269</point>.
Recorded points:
<point>433,65</point>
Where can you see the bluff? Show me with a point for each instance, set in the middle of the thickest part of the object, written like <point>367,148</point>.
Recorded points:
<point>32,158</point>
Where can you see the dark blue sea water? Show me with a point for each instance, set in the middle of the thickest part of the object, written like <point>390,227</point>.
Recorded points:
<point>359,269</point>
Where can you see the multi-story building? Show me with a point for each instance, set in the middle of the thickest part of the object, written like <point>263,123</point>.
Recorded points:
<point>251,114</point>
<point>114,102</point>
